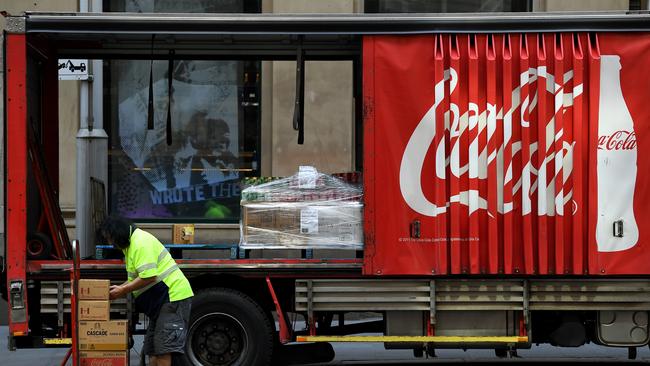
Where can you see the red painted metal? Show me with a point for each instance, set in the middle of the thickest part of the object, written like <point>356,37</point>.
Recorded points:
<point>594,84</point>
<point>286,335</point>
<point>557,164</point>
<point>493,253</point>
<point>35,266</point>
<point>74,349</point>
<point>49,202</point>
<point>75,276</point>
<point>472,158</point>
<point>457,212</point>
<point>16,174</point>
<point>440,138</point>
<point>542,170</point>
<point>530,254</point>
<point>66,357</point>
<point>489,142</point>
<point>369,157</point>
<point>580,134</point>
<point>509,253</point>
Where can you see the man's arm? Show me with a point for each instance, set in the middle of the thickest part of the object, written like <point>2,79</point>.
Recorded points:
<point>122,290</point>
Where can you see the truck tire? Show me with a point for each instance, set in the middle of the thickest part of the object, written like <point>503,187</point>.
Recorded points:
<point>227,327</point>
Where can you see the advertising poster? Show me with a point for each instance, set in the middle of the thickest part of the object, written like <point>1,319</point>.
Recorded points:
<point>513,154</point>
<point>196,175</point>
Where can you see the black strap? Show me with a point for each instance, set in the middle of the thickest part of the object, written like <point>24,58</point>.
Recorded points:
<point>150,103</point>
<point>299,106</point>
<point>170,91</point>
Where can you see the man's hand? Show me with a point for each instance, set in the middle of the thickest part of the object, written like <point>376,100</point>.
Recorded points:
<point>116,292</point>
<point>124,289</point>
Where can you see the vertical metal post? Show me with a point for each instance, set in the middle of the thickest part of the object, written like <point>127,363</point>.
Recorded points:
<point>311,322</point>
<point>285,330</point>
<point>526,308</point>
<point>16,177</point>
<point>74,291</point>
<point>432,307</point>
<point>92,144</point>
<point>60,296</point>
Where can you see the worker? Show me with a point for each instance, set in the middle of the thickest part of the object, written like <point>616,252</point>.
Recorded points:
<point>160,288</point>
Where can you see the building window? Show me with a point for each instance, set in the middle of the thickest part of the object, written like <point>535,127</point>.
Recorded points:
<point>445,6</point>
<point>215,124</point>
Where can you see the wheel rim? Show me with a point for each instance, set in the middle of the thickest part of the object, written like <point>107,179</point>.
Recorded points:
<point>217,339</point>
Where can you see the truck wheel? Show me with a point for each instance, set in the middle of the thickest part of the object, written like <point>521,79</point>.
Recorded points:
<point>227,327</point>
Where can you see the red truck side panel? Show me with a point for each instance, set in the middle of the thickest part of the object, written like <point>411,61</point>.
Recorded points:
<point>489,154</point>
<point>16,173</point>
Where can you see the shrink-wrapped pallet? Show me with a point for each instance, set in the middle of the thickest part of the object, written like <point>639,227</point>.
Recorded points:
<point>309,210</point>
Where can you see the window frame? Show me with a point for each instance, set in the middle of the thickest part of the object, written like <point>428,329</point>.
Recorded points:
<point>372,6</point>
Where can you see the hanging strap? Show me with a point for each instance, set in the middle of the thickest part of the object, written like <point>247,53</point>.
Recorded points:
<point>150,102</point>
<point>299,105</point>
<point>170,91</point>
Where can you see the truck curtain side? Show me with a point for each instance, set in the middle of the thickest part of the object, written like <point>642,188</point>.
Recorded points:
<point>473,237</point>
<point>507,154</point>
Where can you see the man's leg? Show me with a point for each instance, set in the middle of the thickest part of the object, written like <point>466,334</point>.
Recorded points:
<point>171,330</point>
<point>147,348</point>
<point>153,360</point>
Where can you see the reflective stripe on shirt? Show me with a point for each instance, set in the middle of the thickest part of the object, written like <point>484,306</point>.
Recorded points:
<point>146,266</point>
<point>162,276</point>
<point>162,255</point>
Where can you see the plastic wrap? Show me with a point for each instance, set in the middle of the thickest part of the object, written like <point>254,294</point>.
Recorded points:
<point>309,210</point>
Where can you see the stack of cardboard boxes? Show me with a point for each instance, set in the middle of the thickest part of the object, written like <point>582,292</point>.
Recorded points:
<point>101,341</point>
<point>309,210</point>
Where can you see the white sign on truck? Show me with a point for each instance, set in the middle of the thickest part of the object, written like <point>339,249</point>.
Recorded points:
<point>73,69</point>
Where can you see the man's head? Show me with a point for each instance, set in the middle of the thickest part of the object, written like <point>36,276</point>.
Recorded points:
<point>116,231</point>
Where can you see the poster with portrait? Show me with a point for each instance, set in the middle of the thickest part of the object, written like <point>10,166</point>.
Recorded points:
<point>194,176</point>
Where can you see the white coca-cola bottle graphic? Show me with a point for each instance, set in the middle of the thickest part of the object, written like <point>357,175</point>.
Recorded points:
<point>616,227</point>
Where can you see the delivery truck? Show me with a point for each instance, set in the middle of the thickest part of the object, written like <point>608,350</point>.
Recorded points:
<point>502,203</point>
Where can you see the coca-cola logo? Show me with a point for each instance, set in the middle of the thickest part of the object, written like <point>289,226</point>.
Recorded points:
<point>100,362</point>
<point>619,140</point>
<point>545,167</point>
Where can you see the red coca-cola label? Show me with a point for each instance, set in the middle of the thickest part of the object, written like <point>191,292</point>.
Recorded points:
<point>104,361</point>
<point>619,140</point>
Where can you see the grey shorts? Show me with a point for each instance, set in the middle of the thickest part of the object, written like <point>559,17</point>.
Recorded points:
<point>168,331</point>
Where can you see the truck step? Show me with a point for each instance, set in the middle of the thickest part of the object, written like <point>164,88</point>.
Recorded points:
<point>417,339</point>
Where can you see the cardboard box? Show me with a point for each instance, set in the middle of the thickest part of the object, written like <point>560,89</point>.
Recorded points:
<point>94,289</point>
<point>94,310</point>
<point>183,234</point>
<point>104,358</point>
<point>302,225</point>
<point>103,335</point>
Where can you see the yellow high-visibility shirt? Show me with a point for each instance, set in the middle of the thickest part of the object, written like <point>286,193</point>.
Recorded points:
<point>146,257</point>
